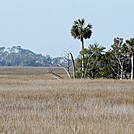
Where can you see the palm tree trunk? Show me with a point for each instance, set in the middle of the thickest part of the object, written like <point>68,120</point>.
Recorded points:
<point>132,67</point>
<point>82,57</point>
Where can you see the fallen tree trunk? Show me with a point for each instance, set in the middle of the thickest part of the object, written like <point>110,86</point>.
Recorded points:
<point>58,77</point>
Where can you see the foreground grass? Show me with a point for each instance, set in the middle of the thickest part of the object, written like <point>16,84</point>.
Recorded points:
<point>40,106</point>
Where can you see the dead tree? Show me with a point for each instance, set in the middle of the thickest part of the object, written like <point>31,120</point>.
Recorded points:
<point>58,77</point>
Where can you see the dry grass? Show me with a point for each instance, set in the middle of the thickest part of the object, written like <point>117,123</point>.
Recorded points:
<point>32,103</point>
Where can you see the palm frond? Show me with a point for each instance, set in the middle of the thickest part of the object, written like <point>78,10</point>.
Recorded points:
<point>78,30</point>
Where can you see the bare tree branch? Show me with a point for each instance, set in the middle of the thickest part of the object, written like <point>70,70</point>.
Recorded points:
<point>68,73</point>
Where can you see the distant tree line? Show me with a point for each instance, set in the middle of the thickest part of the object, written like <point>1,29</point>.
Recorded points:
<point>18,56</point>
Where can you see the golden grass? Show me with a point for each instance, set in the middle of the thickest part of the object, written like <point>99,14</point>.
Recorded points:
<point>32,103</point>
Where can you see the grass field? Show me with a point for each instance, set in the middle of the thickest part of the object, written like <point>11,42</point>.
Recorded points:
<point>33,102</point>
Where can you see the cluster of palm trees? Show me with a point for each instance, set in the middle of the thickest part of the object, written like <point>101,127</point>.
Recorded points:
<point>82,31</point>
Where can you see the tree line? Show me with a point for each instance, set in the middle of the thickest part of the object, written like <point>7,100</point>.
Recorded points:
<point>18,56</point>
<point>95,62</point>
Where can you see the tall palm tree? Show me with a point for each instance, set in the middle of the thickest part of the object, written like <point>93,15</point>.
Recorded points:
<point>80,31</point>
<point>130,45</point>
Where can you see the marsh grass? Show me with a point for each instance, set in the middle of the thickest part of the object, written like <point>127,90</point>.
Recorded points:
<point>36,104</point>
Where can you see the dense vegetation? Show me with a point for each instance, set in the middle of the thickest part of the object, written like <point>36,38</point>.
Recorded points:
<point>95,62</point>
<point>99,63</point>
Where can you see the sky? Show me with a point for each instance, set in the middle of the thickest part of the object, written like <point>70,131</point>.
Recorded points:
<point>43,26</point>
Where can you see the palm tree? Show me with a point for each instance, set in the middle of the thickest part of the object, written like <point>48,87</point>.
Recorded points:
<point>80,31</point>
<point>130,45</point>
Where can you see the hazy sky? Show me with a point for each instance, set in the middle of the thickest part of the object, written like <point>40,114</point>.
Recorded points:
<point>43,26</point>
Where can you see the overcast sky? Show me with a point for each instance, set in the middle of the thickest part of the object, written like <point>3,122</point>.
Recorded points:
<point>43,26</point>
